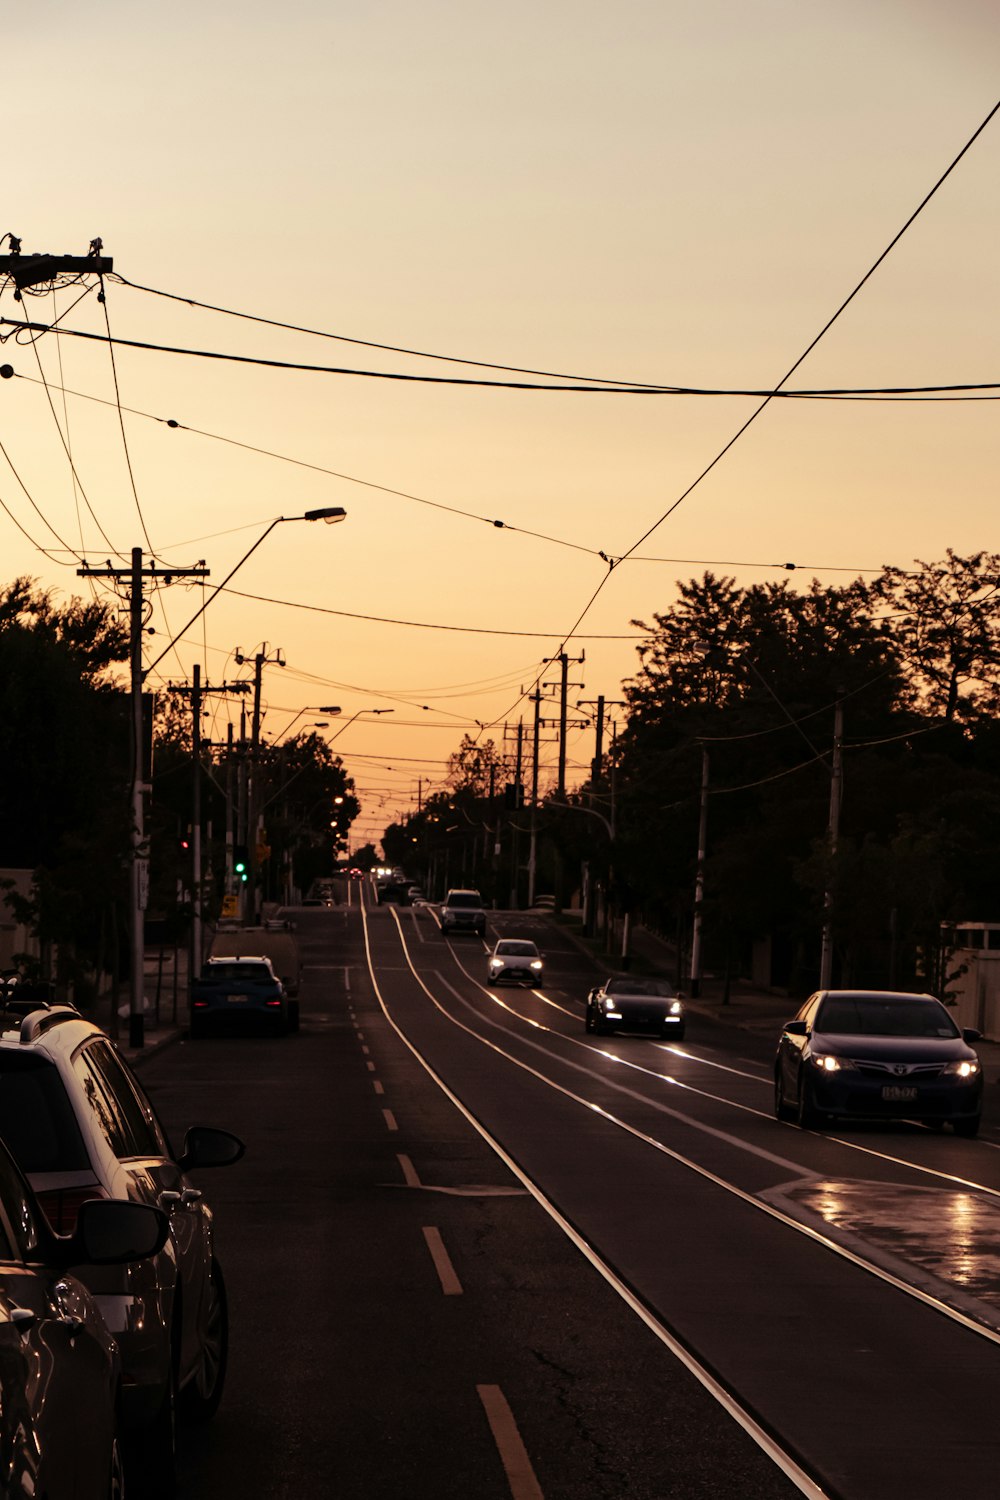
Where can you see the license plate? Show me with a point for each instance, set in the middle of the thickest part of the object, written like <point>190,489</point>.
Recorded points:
<point>893,1093</point>
<point>237,999</point>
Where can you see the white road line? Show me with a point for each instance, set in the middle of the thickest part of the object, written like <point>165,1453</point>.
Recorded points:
<point>450,1284</point>
<point>390,1120</point>
<point>513,1454</point>
<point>750,1199</point>
<point>366,1051</point>
<point>377,1086</point>
<point>726,1399</point>
<point>370,1066</point>
<point>409,1171</point>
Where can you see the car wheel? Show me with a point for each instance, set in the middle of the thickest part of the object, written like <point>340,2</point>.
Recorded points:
<point>293,1015</point>
<point>782,1111</point>
<point>200,1398</point>
<point>195,1031</point>
<point>676,1033</point>
<point>968,1128</point>
<point>809,1117</point>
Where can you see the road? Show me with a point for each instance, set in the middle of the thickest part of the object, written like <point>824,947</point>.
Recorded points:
<point>473,1251</point>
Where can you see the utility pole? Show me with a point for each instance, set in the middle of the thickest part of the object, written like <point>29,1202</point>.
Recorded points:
<point>699,880</point>
<point>198,691</point>
<point>833,834</point>
<point>139,850</point>
<point>260,661</point>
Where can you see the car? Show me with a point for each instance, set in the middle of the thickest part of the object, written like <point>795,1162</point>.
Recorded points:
<point>516,960</point>
<point>880,1055</point>
<point>632,1002</point>
<point>463,911</point>
<point>79,1125</point>
<point>60,1368</point>
<point>235,990</point>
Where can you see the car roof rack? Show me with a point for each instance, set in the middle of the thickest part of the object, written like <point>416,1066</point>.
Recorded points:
<point>42,1017</point>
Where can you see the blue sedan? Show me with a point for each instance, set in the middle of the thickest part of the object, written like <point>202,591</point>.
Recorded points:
<point>877,1054</point>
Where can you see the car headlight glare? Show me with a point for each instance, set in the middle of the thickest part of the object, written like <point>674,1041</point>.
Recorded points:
<point>675,1007</point>
<point>826,1063</point>
<point>963,1069</point>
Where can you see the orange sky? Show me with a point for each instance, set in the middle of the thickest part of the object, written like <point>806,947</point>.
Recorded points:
<point>676,193</point>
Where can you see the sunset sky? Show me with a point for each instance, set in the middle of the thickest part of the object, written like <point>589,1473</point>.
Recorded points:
<point>675,193</point>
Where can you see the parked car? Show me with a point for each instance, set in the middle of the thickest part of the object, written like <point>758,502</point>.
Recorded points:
<point>60,1368</point>
<point>236,990</point>
<point>877,1054</point>
<point>463,911</point>
<point>515,960</point>
<point>631,1002</point>
<point>80,1126</point>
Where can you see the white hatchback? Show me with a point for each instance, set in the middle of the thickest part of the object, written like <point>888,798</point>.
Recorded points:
<point>516,960</point>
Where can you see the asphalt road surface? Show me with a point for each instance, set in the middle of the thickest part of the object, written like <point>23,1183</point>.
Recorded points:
<point>475,1252</point>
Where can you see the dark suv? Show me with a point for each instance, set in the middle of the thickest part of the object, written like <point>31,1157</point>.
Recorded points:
<point>79,1125</point>
<point>463,911</point>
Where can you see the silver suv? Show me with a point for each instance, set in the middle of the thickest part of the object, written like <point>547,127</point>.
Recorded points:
<point>79,1125</point>
<point>463,911</point>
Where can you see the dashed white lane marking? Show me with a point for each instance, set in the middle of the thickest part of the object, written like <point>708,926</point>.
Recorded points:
<point>390,1119</point>
<point>377,1086</point>
<point>409,1171</point>
<point>450,1284</point>
<point>370,1066</point>
<point>366,1051</point>
<point>513,1454</point>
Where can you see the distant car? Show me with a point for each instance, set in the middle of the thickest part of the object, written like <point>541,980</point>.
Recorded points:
<point>355,874</point>
<point>631,1002</point>
<point>79,1125</point>
<point>233,990</point>
<point>877,1054</point>
<point>516,961</point>
<point>463,911</point>
<point>60,1368</point>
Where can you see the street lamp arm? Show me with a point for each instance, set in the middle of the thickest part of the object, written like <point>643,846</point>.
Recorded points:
<point>330,513</point>
<point>577,807</point>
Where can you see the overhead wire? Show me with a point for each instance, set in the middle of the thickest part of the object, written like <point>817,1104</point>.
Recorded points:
<point>758,411</point>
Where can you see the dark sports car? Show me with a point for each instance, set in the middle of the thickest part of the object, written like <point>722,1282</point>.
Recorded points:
<point>877,1054</point>
<point>629,1002</point>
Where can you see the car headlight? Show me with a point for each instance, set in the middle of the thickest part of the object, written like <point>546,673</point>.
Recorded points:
<point>675,1007</point>
<point>496,963</point>
<point>964,1069</point>
<point>536,964</point>
<point>826,1063</point>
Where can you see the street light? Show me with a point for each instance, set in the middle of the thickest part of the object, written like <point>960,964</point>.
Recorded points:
<point>353,717</point>
<point>330,514</point>
<point>310,708</point>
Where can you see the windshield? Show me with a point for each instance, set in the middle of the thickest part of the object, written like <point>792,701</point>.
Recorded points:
<point>628,986</point>
<point>513,949</point>
<point>465,898</point>
<point>867,1015</point>
<point>245,973</point>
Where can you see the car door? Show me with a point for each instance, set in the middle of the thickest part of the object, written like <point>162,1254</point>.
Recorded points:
<point>791,1048</point>
<point>57,1369</point>
<point>159,1180</point>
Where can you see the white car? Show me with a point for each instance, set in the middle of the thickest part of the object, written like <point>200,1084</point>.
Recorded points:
<point>516,960</point>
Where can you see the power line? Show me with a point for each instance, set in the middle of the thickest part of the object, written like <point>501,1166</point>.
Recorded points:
<point>766,402</point>
<point>768,394</point>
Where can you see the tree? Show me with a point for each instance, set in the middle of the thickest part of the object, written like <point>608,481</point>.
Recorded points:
<point>946,619</point>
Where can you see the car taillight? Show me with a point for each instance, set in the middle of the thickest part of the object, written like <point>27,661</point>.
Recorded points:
<point>201,1005</point>
<point>61,1205</point>
<point>272,1002</point>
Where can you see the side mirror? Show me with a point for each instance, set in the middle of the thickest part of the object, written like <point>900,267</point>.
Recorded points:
<point>111,1231</point>
<point>207,1147</point>
<point>795,1028</point>
<point>680,995</point>
<point>971,1035</point>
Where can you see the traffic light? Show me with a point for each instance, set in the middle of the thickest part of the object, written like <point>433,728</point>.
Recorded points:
<point>241,859</point>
